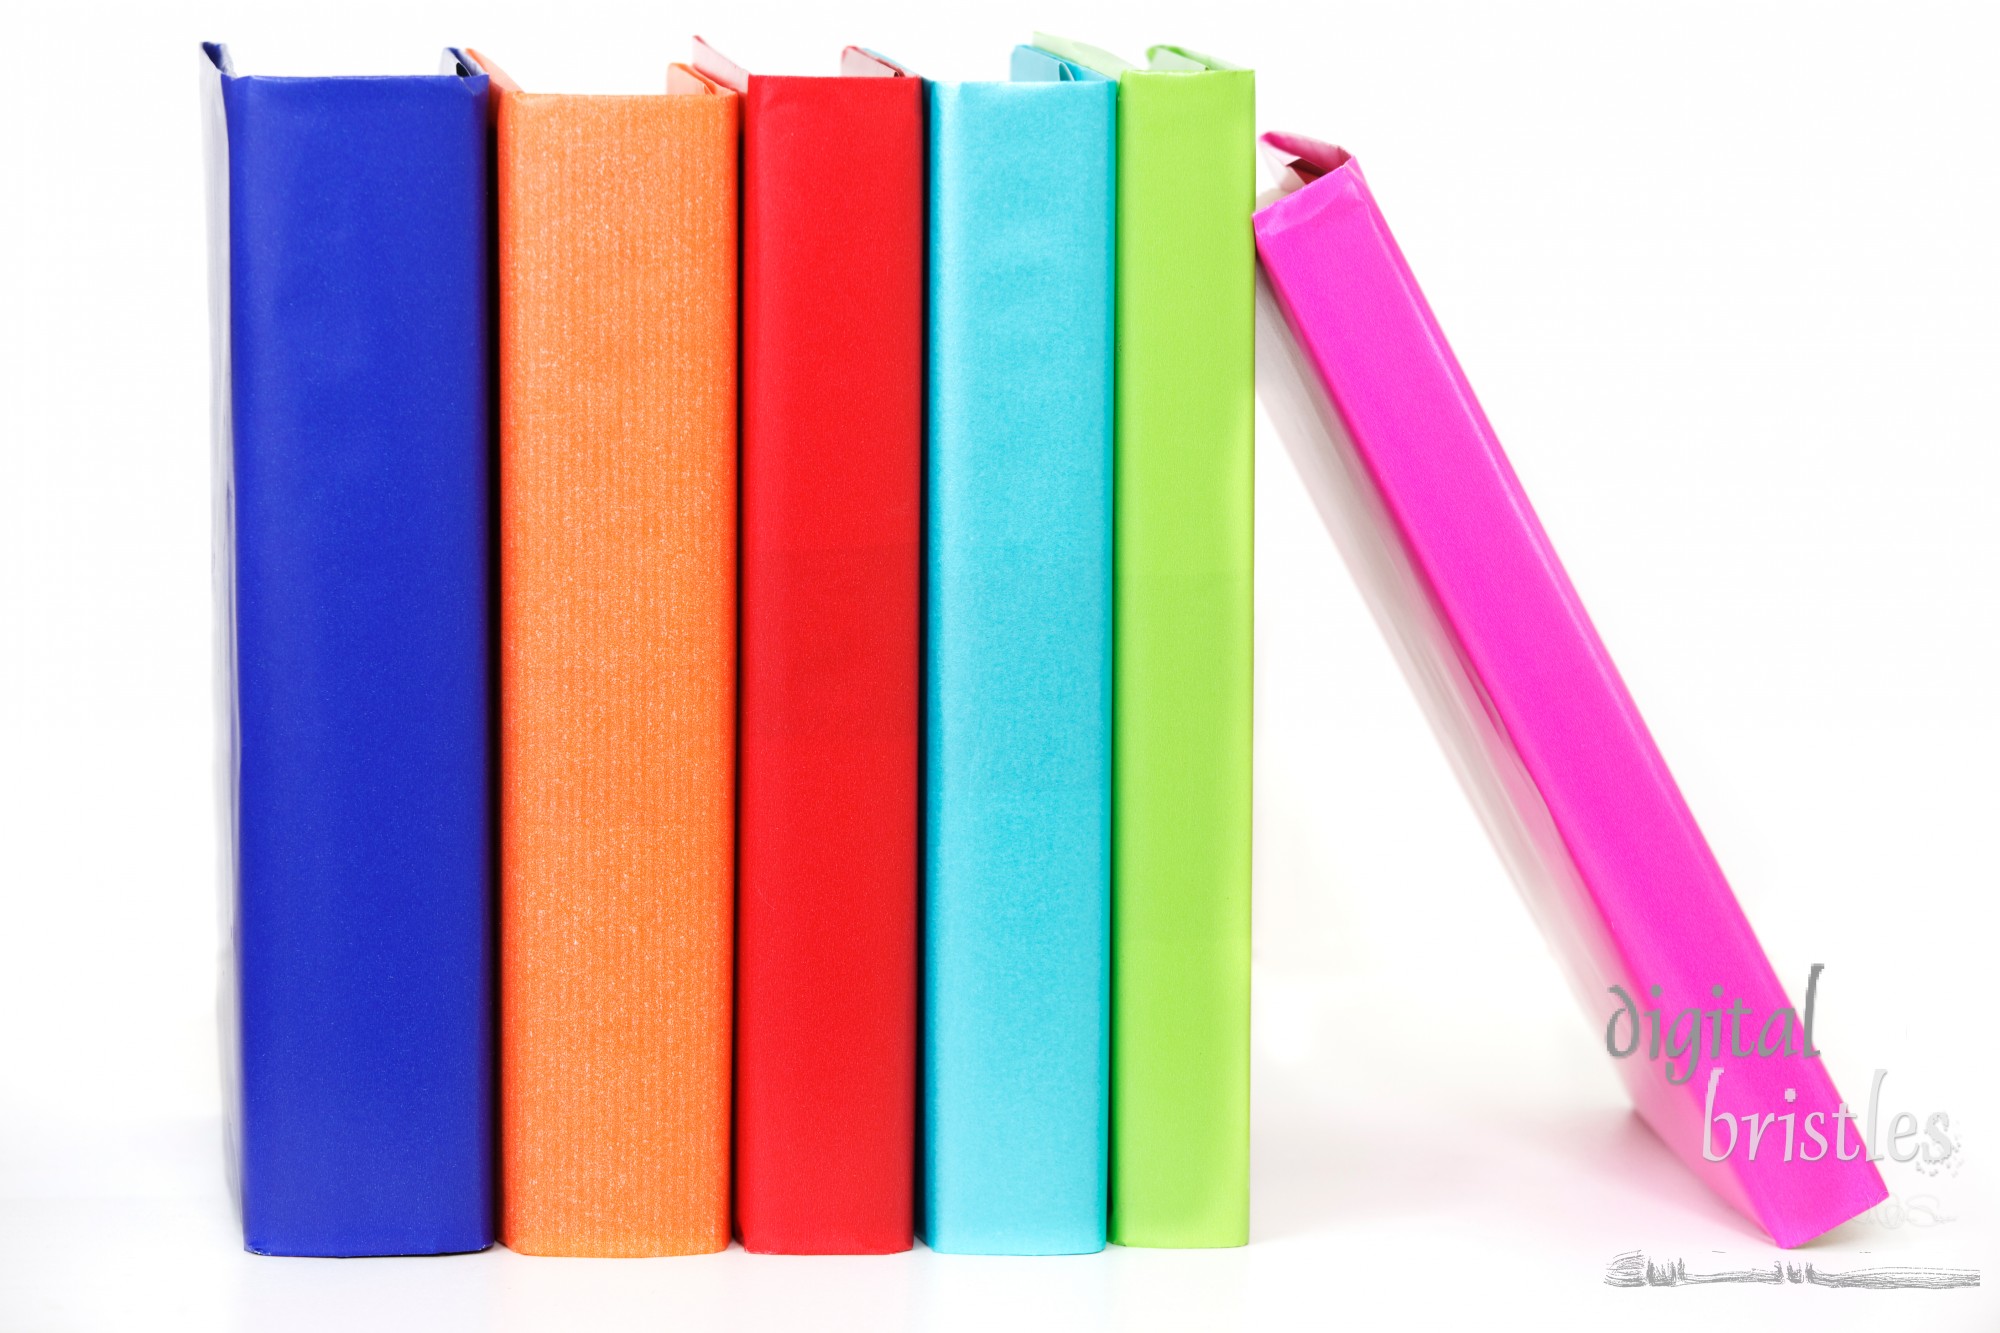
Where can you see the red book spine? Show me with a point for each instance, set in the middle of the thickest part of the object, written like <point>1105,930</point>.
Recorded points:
<point>833,307</point>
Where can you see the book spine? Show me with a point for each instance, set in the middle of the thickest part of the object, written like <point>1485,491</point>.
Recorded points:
<point>357,490</point>
<point>617,263</point>
<point>1182,728</point>
<point>1018,681</point>
<point>1631,895</point>
<point>833,328</point>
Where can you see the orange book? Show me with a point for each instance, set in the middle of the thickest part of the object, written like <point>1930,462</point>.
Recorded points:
<point>617,521</point>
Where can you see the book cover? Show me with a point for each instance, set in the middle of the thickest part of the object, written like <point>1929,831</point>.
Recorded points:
<point>833,338</point>
<point>1185,481</point>
<point>617,560</point>
<point>352,245</point>
<point>1017,833</point>
<point>1413,482</point>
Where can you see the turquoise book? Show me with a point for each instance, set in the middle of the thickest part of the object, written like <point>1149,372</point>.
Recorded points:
<point>1017,845</point>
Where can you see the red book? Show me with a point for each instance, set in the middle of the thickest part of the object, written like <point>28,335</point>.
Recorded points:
<point>832,559</point>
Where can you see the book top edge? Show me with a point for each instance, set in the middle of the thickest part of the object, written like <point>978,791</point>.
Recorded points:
<point>454,68</point>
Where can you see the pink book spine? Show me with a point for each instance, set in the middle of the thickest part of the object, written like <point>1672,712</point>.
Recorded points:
<point>1407,470</point>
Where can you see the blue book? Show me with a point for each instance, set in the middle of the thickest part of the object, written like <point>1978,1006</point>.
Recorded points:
<point>354,454</point>
<point>1018,656</point>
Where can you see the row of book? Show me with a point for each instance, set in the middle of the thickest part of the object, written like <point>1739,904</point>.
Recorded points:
<point>711,535</point>
<point>782,549</point>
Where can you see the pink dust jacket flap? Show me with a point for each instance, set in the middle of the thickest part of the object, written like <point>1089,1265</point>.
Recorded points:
<point>1409,477</point>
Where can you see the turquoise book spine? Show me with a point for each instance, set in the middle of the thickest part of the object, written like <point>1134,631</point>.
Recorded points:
<point>1018,655</point>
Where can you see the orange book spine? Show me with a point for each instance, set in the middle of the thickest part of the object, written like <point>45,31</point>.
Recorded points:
<point>617,495</point>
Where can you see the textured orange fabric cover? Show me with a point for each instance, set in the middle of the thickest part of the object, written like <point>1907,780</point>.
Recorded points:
<point>617,257</point>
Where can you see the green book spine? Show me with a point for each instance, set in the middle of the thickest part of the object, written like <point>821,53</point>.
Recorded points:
<point>1184,485</point>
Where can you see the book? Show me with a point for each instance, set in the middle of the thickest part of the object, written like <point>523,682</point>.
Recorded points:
<point>1185,474</point>
<point>351,248</point>
<point>1413,482</point>
<point>1017,835</point>
<point>833,338</point>
<point>617,558</point>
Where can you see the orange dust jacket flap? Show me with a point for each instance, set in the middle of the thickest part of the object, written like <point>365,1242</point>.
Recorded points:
<point>617,521</point>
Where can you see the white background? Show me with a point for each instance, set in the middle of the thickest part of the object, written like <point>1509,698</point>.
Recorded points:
<point>1725,278</point>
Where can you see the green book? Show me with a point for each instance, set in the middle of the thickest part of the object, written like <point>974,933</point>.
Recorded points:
<point>1183,493</point>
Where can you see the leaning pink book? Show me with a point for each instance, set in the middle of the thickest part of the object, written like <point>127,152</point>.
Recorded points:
<point>1408,475</point>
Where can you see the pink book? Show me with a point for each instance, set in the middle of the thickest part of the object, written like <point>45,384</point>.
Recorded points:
<point>1406,471</point>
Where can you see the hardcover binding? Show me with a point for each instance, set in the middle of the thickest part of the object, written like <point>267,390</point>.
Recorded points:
<point>1185,474</point>
<point>1018,685</point>
<point>356,487</point>
<point>833,337</point>
<point>617,262</point>
<point>1549,744</point>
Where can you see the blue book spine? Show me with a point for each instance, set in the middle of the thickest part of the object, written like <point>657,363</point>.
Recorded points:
<point>1018,656</point>
<point>357,460</point>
